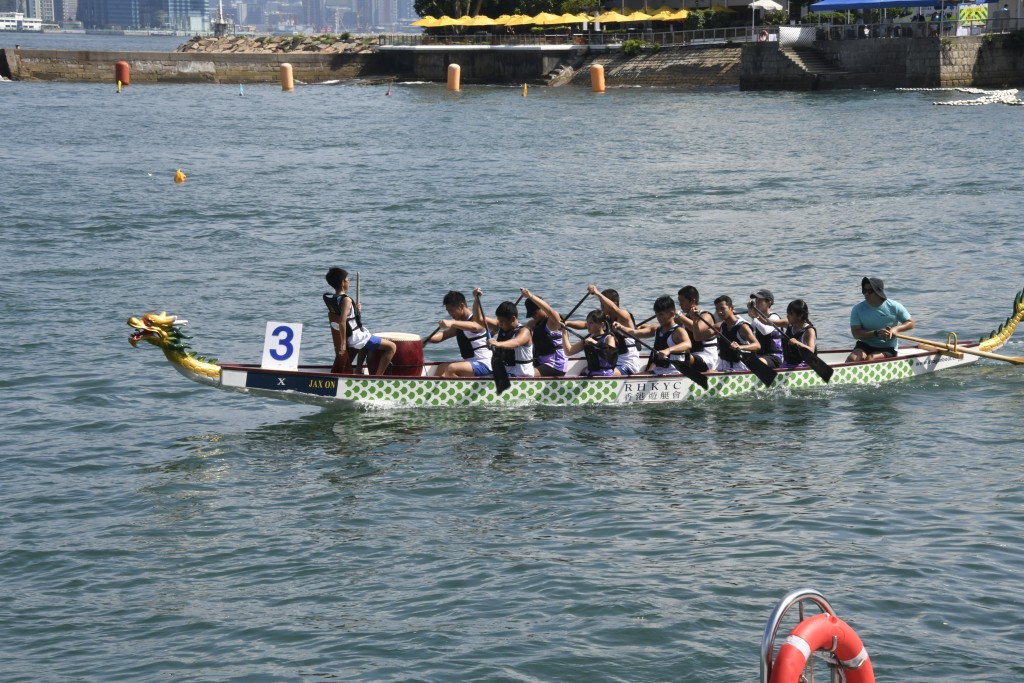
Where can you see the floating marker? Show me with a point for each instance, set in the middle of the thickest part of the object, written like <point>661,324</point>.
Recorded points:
<point>119,87</point>
<point>179,177</point>
<point>287,80</point>
<point>524,89</point>
<point>388,93</point>
<point>454,77</point>
<point>122,72</point>
<point>241,90</point>
<point>597,78</point>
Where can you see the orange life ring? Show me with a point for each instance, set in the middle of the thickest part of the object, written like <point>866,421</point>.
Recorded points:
<point>816,633</point>
<point>762,37</point>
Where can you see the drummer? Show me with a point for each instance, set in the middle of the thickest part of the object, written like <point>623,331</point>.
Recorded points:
<point>470,334</point>
<point>341,311</point>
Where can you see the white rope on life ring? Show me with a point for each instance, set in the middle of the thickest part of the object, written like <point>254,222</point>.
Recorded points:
<point>823,632</point>
<point>762,37</point>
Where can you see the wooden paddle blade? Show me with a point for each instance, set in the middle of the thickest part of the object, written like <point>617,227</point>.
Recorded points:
<point>501,381</point>
<point>814,361</point>
<point>691,373</point>
<point>759,368</point>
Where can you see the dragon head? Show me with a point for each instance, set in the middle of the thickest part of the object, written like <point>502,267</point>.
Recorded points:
<point>159,329</point>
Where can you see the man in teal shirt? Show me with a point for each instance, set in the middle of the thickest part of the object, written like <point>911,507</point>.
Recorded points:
<point>875,321</point>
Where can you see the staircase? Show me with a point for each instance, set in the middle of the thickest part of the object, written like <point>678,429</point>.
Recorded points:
<point>812,61</point>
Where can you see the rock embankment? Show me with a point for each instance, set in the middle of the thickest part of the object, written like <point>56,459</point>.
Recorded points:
<point>321,43</point>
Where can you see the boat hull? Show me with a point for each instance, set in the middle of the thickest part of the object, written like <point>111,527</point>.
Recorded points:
<point>317,385</point>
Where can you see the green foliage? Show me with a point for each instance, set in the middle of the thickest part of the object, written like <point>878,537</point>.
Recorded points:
<point>578,6</point>
<point>776,18</point>
<point>631,48</point>
<point>346,36</point>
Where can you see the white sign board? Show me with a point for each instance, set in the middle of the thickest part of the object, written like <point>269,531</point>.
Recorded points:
<point>281,346</point>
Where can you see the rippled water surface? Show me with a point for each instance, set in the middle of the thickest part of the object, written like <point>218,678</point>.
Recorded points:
<point>153,529</point>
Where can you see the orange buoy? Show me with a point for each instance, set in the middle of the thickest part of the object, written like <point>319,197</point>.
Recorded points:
<point>822,632</point>
<point>122,73</point>
<point>287,80</point>
<point>597,78</point>
<point>454,77</point>
<point>179,177</point>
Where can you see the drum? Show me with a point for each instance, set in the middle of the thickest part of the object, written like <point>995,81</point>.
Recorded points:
<point>408,360</point>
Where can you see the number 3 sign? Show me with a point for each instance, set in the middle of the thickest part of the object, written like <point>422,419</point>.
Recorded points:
<point>281,346</point>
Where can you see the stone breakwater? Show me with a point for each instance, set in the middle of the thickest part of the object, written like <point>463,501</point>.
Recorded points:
<point>271,45</point>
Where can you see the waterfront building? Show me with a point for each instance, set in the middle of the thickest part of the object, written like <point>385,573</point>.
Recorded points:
<point>180,15</point>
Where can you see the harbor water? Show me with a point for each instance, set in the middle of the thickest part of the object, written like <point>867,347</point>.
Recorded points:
<point>152,529</point>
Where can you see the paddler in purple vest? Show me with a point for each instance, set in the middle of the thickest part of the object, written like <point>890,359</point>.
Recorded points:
<point>548,354</point>
<point>629,349</point>
<point>766,324</point>
<point>470,334</point>
<point>598,346</point>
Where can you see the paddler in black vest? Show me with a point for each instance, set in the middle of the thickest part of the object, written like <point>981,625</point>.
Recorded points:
<point>512,343</point>
<point>670,338</point>
<point>765,323</point>
<point>629,349</point>
<point>548,355</point>
<point>736,337</point>
<point>598,346</point>
<point>703,356</point>
<point>347,329</point>
<point>469,332</point>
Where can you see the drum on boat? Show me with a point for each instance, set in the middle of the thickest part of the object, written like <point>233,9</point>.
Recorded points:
<point>408,360</point>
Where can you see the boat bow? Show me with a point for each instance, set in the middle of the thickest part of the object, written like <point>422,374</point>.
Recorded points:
<point>164,331</point>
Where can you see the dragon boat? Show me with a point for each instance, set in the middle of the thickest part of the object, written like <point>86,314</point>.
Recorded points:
<point>418,385</point>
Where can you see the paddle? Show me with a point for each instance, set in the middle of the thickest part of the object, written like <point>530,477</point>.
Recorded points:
<point>1016,360</point>
<point>813,360</point>
<point>574,308</point>
<point>498,369</point>
<point>753,363</point>
<point>691,373</point>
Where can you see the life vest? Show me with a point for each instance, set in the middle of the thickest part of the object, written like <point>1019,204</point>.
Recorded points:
<point>544,339</point>
<point>468,346</point>
<point>728,335</point>
<point>622,344</point>
<point>597,361</point>
<point>699,346</point>
<point>771,343</point>
<point>521,355</point>
<point>336,304</point>
<point>791,354</point>
<point>661,342</point>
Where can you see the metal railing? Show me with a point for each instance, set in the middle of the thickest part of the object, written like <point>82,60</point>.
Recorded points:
<point>734,34</point>
<point>796,598</point>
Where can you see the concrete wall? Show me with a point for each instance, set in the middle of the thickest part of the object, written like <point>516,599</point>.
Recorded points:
<point>969,61</point>
<point>703,66</point>
<point>478,64</point>
<point>177,67</point>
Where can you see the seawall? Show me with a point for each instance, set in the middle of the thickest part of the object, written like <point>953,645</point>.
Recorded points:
<point>991,61</point>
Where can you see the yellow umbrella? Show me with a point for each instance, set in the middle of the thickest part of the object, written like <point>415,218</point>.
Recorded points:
<point>445,21</point>
<point>547,19</point>
<point>481,20</point>
<point>425,22</point>
<point>574,18</point>
<point>611,17</point>
<point>519,20</point>
<point>464,20</point>
<point>502,20</point>
<point>671,15</point>
<point>638,16</point>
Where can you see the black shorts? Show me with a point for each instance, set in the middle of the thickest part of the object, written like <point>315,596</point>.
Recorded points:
<point>697,362</point>
<point>548,371</point>
<point>864,346</point>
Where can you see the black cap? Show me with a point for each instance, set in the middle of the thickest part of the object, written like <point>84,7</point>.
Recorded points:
<point>765,294</point>
<point>876,285</point>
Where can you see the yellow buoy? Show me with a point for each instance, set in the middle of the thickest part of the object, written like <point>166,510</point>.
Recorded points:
<point>179,177</point>
<point>524,89</point>
<point>597,78</point>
